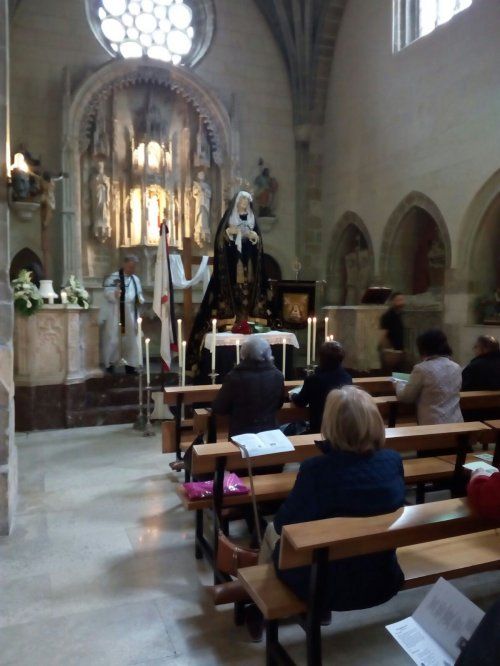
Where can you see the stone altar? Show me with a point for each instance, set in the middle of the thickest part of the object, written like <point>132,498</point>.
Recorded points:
<point>56,352</point>
<point>356,327</point>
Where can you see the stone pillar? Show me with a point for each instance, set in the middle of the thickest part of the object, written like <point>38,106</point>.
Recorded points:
<point>8,454</point>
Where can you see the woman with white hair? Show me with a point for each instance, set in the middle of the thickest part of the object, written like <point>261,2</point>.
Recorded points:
<point>355,476</point>
<point>253,391</point>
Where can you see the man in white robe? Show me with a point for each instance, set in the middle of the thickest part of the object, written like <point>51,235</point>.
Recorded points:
<point>123,294</point>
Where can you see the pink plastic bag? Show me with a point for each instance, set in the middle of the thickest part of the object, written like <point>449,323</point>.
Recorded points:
<point>233,485</point>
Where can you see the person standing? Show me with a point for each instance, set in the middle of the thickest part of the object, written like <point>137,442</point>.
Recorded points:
<point>123,294</point>
<point>392,339</point>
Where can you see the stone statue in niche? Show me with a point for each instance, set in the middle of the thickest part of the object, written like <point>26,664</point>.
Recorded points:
<point>436,258</point>
<point>202,154</point>
<point>100,191</point>
<point>266,188</point>
<point>47,208</point>
<point>202,194</point>
<point>357,265</point>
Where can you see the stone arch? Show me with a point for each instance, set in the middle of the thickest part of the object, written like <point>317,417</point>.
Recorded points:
<point>343,239</point>
<point>479,256</point>
<point>416,204</point>
<point>27,258</point>
<point>81,106</point>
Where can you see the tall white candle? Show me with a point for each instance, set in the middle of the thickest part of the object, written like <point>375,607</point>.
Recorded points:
<point>309,323</point>
<point>214,334</point>
<point>283,370</point>
<point>148,375</point>
<point>183,355</point>
<point>64,297</point>
<point>179,338</point>
<point>326,328</point>
<point>139,340</point>
<point>237,351</point>
<point>315,322</point>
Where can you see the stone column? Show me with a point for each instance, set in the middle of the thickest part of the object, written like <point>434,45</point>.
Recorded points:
<point>8,454</point>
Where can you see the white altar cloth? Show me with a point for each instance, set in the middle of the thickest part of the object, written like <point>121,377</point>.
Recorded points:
<point>229,339</point>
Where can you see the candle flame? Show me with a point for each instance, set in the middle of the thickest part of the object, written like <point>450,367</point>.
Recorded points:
<point>147,341</point>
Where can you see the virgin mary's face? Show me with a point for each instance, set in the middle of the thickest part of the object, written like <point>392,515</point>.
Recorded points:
<point>242,206</point>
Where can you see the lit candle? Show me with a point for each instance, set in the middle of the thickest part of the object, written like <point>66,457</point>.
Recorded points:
<point>64,297</point>
<point>214,334</point>
<point>326,328</point>
<point>284,357</point>
<point>309,322</point>
<point>179,338</point>
<point>148,376</point>
<point>315,322</point>
<point>183,354</point>
<point>139,339</point>
<point>237,351</point>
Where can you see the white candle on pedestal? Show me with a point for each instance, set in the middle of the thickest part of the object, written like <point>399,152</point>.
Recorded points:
<point>283,370</point>
<point>314,332</point>
<point>183,355</point>
<point>179,338</point>
<point>309,322</point>
<point>237,351</point>
<point>148,376</point>
<point>139,339</point>
<point>326,328</point>
<point>214,334</point>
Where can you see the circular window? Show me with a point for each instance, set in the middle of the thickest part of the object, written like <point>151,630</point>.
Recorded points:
<point>176,31</point>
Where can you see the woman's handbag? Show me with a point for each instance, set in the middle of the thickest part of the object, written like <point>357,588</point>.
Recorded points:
<point>231,557</point>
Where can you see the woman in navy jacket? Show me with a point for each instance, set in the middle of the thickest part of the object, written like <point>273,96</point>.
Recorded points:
<point>355,476</point>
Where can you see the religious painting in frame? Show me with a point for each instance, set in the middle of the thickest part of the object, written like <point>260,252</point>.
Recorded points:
<point>294,303</point>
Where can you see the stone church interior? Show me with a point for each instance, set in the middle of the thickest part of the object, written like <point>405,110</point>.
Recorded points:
<point>249,332</point>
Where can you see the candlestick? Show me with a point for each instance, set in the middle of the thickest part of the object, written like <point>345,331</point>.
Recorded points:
<point>183,352</point>
<point>313,356</point>
<point>214,334</point>
<point>237,351</point>
<point>309,322</point>
<point>179,338</point>
<point>326,328</point>
<point>283,370</point>
<point>139,339</point>
<point>148,376</point>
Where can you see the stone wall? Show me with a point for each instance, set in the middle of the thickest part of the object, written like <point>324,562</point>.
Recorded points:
<point>243,66</point>
<point>8,454</point>
<point>422,120</point>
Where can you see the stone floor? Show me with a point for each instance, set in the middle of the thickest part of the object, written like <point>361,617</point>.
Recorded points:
<point>100,569</point>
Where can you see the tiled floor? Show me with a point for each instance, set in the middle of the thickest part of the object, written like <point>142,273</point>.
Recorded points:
<point>100,569</point>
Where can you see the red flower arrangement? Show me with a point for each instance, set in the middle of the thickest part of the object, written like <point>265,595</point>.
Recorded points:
<point>242,328</point>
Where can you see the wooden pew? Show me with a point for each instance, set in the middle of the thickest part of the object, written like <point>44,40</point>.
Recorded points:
<point>179,396</point>
<point>215,459</point>
<point>438,539</point>
<point>495,426</point>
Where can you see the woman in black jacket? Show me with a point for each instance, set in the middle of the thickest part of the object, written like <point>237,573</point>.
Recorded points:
<point>253,392</point>
<point>329,375</point>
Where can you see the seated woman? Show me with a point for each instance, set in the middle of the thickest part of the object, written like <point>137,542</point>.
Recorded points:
<point>329,375</point>
<point>355,477</point>
<point>253,392</point>
<point>483,492</point>
<point>435,383</point>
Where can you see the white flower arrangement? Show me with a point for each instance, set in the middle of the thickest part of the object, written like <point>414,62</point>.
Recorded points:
<point>27,299</point>
<point>77,294</point>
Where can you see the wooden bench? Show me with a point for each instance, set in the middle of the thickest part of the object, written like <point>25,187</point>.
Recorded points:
<point>391,408</point>
<point>179,396</point>
<point>437,539</point>
<point>215,459</point>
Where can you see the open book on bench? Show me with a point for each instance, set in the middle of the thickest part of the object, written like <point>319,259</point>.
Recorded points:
<point>262,444</point>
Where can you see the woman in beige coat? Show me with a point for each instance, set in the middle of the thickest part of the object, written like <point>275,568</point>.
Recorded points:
<point>435,383</point>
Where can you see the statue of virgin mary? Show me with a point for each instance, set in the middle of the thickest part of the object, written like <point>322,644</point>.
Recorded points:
<point>237,290</point>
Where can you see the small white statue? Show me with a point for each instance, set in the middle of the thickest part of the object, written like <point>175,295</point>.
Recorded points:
<point>202,194</point>
<point>100,189</point>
